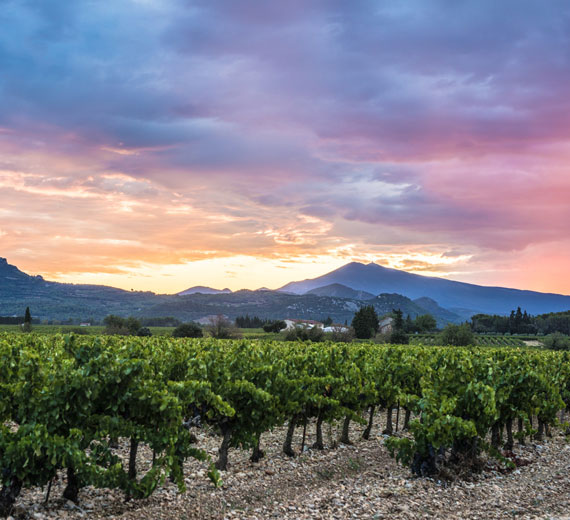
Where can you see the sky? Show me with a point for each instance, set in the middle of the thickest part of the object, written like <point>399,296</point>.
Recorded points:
<point>161,144</point>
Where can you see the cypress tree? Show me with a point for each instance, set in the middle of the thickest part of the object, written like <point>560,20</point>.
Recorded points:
<point>27,320</point>
<point>365,322</point>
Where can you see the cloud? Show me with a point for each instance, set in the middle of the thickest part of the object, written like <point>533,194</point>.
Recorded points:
<point>176,130</point>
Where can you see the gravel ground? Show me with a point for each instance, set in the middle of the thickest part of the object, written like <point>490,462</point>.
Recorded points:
<point>356,481</point>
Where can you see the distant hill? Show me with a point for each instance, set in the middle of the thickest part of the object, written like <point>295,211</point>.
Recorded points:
<point>280,305</point>
<point>469,298</point>
<point>444,315</point>
<point>385,303</point>
<point>61,301</point>
<point>338,290</point>
<point>200,289</point>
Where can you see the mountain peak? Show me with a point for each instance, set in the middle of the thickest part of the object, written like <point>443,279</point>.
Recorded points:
<point>376,279</point>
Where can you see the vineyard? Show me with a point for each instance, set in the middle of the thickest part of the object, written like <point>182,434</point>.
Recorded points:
<point>482,340</point>
<point>67,401</point>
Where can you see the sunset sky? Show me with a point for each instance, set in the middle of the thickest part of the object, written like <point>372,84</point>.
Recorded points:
<point>160,144</point>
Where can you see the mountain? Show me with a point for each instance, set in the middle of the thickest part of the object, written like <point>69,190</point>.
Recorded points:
<point>449,294</point>
<point>59,301</point>
<point>62,301</point>
<point>340,291</point>
<point>200,289</point>
<point>338,294</point>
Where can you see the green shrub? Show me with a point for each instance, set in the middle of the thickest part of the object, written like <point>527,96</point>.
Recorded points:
<point>457,335</point>
<point>313,334</point>
<point>187,330</point>
<point>557,341</point>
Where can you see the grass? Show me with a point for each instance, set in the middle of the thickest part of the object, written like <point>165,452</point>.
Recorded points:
<point>258,334</point>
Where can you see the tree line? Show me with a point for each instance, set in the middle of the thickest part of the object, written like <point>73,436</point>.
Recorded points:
<point>520,322</point>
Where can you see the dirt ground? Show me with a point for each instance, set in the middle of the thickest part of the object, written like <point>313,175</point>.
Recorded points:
<point>346,482</point>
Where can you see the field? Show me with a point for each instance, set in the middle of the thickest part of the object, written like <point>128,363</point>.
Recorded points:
<point>76,329</point>
<point>97,418</point>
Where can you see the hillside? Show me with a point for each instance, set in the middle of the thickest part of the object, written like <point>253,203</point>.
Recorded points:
<point>338,290</point>
<point>466,298</point>
<point>52,300</point>
<point>265,304</point>
<point>203,290</point>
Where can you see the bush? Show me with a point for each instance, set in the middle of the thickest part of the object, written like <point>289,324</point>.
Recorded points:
<point>457,335</point>
<point>144,332</point>
<point>314,334</point>
<point>557,341</point>
<point>188,330</point>
<point>291,335</point>
<point>342,334</point>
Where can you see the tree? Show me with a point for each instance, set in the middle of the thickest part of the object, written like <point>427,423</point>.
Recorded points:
<point>133,325</point>
<point>114,325</point>
<point>425,323</point>
<point>222,328</point>
<point>187,330</point>
<point>365,322</point>
<point>121,326</point>
<point>398,335</point>
<point>27,321</point>
<point>250,322</point>
<point>398,319</point>
<point>457,335</point>
<point>275,326</point>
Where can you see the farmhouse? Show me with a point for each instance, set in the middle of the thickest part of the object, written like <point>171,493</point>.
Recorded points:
<point>308,324</point>
<point>386,325</point>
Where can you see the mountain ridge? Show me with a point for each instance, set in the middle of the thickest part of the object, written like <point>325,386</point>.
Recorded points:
<point>54,300</point>
<point>201,289</point>
<point>376,279</point>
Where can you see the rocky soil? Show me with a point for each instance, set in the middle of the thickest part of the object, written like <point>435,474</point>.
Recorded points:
<point>349,481</point>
